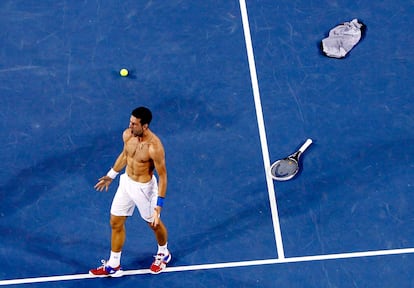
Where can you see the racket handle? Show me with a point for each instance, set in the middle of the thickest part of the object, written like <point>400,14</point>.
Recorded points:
<point>305,145</point>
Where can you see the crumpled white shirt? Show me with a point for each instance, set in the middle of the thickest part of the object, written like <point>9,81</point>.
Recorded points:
<point>342,39</point>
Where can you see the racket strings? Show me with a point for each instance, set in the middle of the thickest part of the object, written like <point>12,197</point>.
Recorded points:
<point>285,168</point>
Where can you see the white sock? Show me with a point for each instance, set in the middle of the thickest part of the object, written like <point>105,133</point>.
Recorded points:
<point>114,260</point>
<point>163,249</point>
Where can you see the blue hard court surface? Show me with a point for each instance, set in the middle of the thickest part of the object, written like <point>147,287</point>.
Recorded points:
<point>64,107</point>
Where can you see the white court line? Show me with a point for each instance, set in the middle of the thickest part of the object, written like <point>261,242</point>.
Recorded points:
<point>262,131</point>
<point>221,265</point>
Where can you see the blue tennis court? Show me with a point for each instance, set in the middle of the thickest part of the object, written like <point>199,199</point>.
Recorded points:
<point>233,86</point>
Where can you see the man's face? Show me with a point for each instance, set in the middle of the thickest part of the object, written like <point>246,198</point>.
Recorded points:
<point>136,128</point>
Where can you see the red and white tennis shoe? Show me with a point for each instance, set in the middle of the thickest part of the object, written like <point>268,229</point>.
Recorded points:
<point>160,263</point>
<point>106,271</point>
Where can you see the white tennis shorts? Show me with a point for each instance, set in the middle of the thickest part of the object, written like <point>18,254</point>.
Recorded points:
<point>131,194</point>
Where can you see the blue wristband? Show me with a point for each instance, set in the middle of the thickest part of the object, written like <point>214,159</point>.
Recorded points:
<point>160,201</point>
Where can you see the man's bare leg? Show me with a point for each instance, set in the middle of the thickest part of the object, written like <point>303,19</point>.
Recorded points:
<point>118,232</point>
<point>161,233</point>
<point>117,239</point>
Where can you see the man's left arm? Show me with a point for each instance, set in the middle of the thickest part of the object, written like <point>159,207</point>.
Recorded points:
<point>158,156</point>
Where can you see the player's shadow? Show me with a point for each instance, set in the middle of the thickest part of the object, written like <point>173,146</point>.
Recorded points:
<point>28,200</point>
<point>29,184</point>
<point>29,193</point>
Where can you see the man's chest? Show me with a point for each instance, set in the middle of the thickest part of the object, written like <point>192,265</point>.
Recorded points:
<point>138,151</point>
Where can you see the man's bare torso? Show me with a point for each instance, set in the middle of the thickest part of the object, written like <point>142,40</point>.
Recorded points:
<point>140,166</point>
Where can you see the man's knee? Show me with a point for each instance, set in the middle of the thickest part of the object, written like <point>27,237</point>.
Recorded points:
<point>117,222</point>
<point>159,227</point>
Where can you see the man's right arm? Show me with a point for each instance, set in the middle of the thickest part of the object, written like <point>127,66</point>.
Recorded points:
<point>120,163</point>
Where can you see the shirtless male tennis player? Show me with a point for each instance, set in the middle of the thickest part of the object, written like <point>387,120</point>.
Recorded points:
<point>142,153</point>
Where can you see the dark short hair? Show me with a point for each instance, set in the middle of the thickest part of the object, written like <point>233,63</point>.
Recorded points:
<point>144,114</point>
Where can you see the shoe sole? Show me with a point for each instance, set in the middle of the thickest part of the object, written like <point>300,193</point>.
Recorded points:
<point>117,274</point>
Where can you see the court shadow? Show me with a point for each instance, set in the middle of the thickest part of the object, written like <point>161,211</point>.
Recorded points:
<point>29,184</point>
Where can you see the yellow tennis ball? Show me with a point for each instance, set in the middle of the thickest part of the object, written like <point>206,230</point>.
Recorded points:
<point>124,72</point>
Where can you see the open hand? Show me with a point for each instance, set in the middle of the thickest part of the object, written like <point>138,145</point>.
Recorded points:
<point>103,183</point>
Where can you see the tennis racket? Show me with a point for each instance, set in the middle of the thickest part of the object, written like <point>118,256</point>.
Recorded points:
<point>287,168</point>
